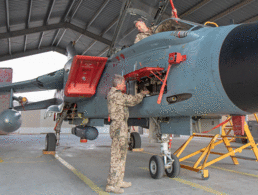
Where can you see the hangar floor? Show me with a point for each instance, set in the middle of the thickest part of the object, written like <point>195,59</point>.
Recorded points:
<point>24,170</point>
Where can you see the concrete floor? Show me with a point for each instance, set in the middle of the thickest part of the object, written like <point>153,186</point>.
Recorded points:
<point>25,170</point>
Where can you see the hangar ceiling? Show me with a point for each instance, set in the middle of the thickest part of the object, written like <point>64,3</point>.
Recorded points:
<point>29,27</point>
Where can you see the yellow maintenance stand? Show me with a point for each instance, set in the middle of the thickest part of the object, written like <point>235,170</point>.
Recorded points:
<point>225,137</point>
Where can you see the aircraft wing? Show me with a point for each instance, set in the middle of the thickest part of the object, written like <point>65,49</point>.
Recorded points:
<point>39,105</point>
<point>49,81</point>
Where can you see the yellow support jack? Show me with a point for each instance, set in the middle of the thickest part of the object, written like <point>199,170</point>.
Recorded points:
<point>217,139</point>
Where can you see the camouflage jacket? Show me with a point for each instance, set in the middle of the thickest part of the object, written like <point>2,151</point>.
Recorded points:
<point>161,28</point>
<point>143,35</point>
<point>118,104</point>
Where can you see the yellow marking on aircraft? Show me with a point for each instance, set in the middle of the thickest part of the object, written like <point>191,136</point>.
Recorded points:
<point>195,185</point>
<point>85,179</point>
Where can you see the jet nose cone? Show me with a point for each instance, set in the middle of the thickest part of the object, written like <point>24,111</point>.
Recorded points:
<point>10,120</point>
<point>238,66</point>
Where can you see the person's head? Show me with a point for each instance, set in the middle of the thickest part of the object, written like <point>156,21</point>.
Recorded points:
<point>119,82</point>
<point>140,25</point>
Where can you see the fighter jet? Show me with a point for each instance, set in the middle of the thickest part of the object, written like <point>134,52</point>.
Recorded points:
<point>191,70</point>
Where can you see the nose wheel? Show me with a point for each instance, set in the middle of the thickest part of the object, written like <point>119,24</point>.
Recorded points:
<point>173,169</point>
<point>50,142</point>
<point>168,162</point>
<point>156,167</point>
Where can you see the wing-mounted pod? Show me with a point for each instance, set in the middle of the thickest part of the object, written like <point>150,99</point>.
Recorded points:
<point>10,119</point>
<point>85,132</point>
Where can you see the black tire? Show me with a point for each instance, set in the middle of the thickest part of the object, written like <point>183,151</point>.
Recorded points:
<point>175,169</point>
<point>135,141</point>
<point>50,142</point>
<point>156,167</point>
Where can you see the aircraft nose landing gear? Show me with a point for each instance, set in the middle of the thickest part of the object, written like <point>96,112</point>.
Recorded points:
<point>168,162</point>
<point>173,166</point>
<point>156,167</point>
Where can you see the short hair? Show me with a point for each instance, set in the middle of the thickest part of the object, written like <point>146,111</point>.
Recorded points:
<point>118,79</point>
<point>139,20</point>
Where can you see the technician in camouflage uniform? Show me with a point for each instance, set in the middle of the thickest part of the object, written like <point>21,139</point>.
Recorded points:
<point>144,31</point>
<point>118,104</point>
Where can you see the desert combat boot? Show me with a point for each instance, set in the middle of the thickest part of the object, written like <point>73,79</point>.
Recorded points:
<point>116,190</point>
<point>125,184</point>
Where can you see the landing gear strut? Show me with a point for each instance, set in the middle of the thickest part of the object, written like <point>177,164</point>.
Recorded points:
<point>168,162</point>
<point>59,124</point>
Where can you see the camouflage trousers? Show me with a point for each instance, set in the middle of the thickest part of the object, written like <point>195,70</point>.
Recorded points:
<point>118,134</point>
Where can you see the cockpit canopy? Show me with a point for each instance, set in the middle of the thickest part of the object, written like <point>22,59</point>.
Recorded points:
<point>173,24</point>
<point>151,14</point>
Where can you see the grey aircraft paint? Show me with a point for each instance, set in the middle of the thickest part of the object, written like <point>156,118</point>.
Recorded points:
<point>198,78</point>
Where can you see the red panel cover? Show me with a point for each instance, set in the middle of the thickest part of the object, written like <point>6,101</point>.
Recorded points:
<point>143,72</point>
<point>84,76</point>
<point>238,124</point>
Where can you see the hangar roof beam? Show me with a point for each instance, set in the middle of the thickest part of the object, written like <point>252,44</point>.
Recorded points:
<point>50,8</point>
<point>97,13</point>
<point>103,51</point>
<point>7,15</point>
<point>64,25</point>
<point>76,9</point>
<point>128,32</point>
<point>68,11</point>
<point>61,37</point>
<point>8,24</point>
<point>229,10</point>
<point>69,20</point>
<point>54,40</point>
<point>69,8</point>
<point>31,30</point>
<point>121,19</point>
<point>40,40</point>
<point>253,19</point>
<point>29,14</point>
<point>94,17</point>
<point>194,8</point>
<point>105,31</point>
<point>162,12</point>
<point>88,34</point>
<point>27,24</point>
